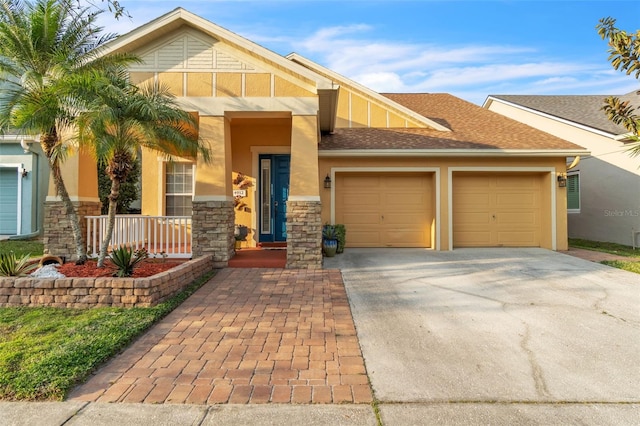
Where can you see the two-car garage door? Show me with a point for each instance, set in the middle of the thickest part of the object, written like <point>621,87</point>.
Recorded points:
<point>489,209</point>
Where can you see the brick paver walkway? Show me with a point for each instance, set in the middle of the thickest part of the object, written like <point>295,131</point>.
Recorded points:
<point>247,336</point>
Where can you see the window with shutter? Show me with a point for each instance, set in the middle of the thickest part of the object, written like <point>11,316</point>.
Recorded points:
<point>573,193</point>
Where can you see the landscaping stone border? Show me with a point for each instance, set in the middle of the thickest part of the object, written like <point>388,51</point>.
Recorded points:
<point>102,291</point>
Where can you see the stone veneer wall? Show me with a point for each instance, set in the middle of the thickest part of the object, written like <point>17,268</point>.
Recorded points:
<point>304,235</point>
<point>105,291</point>
<point>58,234</point>
<point>213,226</point>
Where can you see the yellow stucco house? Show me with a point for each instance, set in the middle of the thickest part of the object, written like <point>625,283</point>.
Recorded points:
<point>295,146</point>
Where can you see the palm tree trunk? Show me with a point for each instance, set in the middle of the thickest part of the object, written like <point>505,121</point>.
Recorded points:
<point>113,204</point>
<point>49,143</point>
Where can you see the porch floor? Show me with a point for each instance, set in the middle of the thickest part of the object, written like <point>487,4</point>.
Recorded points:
<point>259,258</point>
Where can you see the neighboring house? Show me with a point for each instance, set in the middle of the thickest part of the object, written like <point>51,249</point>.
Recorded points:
<point>603,189</point>
<point>295,146</point>
<point>24,177</point>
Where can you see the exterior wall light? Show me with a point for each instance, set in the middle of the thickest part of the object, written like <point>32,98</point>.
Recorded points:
<point>562,180</point>
<point>327,182</point>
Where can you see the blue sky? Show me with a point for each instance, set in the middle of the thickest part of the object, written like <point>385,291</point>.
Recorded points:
<point>470,49</point>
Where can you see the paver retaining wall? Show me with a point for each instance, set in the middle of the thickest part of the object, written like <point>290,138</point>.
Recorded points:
<point>103,291</point>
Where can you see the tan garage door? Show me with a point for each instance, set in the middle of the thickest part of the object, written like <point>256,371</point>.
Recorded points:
<point>385,210</point>
<point>493,210</point>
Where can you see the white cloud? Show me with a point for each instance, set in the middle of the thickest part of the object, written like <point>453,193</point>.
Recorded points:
<point>469,71</point>
<point>382,82</point>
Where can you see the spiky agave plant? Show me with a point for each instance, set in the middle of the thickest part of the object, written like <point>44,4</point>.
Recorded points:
<point>14,266</point>
<point>125,260</point>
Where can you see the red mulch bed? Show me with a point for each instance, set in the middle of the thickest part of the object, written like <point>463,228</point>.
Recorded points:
<point>90,269</point>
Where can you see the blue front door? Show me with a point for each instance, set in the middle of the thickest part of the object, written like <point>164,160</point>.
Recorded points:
<point>274,192</point>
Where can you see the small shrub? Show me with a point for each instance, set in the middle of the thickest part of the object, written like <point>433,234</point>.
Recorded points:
<point>125,260</point>
<point>14,266</point>
<point>341,234</point>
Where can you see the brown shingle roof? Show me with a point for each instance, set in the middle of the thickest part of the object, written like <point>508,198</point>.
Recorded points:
<point>472,127</point>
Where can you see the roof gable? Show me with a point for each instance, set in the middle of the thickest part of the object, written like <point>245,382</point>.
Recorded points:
<point>144,39</point>
<point>372,98</point>
<point>187,49</point>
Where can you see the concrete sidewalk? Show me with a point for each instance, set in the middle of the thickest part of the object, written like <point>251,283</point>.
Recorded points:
<point>507,414</point>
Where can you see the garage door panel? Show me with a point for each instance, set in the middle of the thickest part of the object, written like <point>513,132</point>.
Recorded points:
<point>404,237</point>
<point>465,218</point>
<point>411,220</point>
<point>515,181</point>
<point>385,209</point>
<point>363,238</point>
<point>521,219</point>
<point>497,209</point>
<point>518,238</point>
<point>360,182</point>
<point>514,199</point>
<point>408,200</point>
<point>361,219</point>
<point>474,201</point>
<point>472,238</point>
<point>361,200</point>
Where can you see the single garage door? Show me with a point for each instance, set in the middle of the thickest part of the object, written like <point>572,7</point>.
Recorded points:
<point>8,201</point>
<point>494,210</point>
<point>385,210</point>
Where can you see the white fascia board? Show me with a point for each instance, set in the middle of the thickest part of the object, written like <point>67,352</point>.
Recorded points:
<point>625,137</point>
<point>450,153</point>
<point>491,99</point>
<point>12,137</point>
<point>216,32</point>
<point>220,106</point>
<point>375,95</point>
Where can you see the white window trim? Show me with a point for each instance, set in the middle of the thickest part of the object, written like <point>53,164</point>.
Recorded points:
<point>574,211</point>
<point>162,201</point>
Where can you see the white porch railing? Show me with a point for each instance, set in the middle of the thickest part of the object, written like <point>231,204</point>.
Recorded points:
<point>168,236</point>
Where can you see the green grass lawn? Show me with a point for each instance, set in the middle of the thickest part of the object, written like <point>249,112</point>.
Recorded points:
<point>626,265</point>
<point>613,248</point>
<point>21,248</point>
<point>631,265</point>
<point>45,352</point>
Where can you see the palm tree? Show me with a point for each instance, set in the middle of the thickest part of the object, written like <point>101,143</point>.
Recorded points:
<point>125,118</point>
<point>50,51</point>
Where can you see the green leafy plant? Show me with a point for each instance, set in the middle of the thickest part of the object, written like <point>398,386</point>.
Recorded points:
<point>341,234</point>
<point>14,266</point>
<point>125,260</point>
<point>329,232</point>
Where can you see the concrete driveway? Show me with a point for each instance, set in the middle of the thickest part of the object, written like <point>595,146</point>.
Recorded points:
<point>463,333</point>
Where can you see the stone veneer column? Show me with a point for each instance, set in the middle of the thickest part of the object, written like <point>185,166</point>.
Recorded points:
<point>213,231</point>
<point>58,233</point>
<point>304,235</point>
